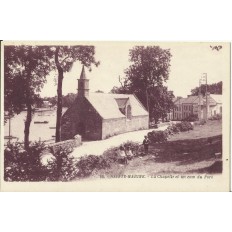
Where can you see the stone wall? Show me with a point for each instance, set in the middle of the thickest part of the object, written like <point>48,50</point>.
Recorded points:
<point>137,123</point>
<point>67,144</point>
<point>81,118</point>
<point>114,126</point>
<point>111,127</point>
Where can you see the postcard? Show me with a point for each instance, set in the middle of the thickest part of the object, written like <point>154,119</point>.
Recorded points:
<point>115,116</point>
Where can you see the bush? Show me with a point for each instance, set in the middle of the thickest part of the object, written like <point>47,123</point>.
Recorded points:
<point>158,136</point>
<point>21,165</point>
<point>153,125</point>
<point>87,164</point>
<point>184,126</point>
<point>63,168</point>
<point>216,117</point>
<point>191,118</point>
<point>173,129</point>
<point>201,122</point>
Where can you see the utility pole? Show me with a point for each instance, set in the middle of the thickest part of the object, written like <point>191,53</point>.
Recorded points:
<point>206,94</point>
<point>199,96</point>
<point>9,118</point>
<point>148,106</point>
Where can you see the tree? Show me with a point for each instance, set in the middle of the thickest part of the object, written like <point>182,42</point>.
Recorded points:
<point>25,69</point>
<point>145,77</point>
<point>215,88</point>
<point>99,91</point>
<point>65,56</point>
<point>160,102</point>
<point>68,100</point>
<point>123,89</point>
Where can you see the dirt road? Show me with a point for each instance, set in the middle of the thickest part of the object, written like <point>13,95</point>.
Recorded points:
<point>98,147</point>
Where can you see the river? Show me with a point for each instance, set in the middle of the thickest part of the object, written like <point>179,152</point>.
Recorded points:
<point>43,132</point>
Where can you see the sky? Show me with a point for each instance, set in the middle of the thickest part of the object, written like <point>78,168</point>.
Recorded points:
<point>189,61</point>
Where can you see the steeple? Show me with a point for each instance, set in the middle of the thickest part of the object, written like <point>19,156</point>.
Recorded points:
<point>83,76</point>
<point>83,84</point>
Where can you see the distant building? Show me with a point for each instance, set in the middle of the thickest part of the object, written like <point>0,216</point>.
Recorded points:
<point>215,105</point>
<point>46,104</point>
<point>196,105</point>
<point>97,116</point>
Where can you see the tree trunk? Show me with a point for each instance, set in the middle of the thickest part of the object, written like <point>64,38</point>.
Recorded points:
<point>27,126</point>
<point>59,97</point>
<point>59,107</point>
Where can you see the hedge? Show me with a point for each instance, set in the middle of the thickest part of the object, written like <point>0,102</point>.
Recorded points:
<point>162,136</point>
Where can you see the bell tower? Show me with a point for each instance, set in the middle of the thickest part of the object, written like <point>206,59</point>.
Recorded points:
<point>83,84</point>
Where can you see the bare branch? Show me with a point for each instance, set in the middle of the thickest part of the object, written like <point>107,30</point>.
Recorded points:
<point>119,79</point>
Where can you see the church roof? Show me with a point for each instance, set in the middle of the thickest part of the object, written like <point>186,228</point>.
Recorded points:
<point>107,105</point>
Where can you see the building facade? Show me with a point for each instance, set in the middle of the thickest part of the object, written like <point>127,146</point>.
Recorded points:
<point>196,105</point>
<point>97,116</point>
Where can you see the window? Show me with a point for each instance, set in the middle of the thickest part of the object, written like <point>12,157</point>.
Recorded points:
<point>128,112</point>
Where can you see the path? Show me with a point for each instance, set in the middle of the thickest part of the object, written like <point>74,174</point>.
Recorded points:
<point>98,147</point>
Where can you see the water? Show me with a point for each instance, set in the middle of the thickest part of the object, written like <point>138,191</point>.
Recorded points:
<point>37,131</point>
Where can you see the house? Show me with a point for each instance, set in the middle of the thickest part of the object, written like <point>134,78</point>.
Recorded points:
<point>196,105</point>
<point>215,104</point>
<point>97,116</point>
<point>177,111</point>
<point>46,104</point>
<point>190,106</point>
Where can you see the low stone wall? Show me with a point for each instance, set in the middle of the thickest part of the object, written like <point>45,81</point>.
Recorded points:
<point>67,144</point>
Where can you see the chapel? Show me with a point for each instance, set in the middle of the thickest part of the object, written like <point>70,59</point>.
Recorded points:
<point>97,116</point>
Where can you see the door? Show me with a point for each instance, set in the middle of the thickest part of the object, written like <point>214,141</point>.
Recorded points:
<point>80,129</point>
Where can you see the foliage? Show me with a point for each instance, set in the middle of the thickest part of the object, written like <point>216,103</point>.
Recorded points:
<point>184,126</point>
<point>162,136</point>
<point>215,88</point>
<point>99,91</point>
<point>160,102</point>
<point>158,136</point>
<point>200,122</point>
<point>119,90</point>
<point>145,77</point>
<point>153,125</point>
<point>68,100</point>
<point>216,117</point>
<point>25,70</point>
<point>173,129</point>
<point>64,58</point>
<point>87,164</point>
<point>64,166</point>
<point>22,165</point>
<point>191,118</point>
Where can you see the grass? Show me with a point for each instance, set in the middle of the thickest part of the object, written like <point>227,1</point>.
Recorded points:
<point>211,128</point>
<point>186,152</point>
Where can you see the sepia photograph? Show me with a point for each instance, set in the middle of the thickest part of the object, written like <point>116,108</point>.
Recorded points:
<point>115,116</point>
